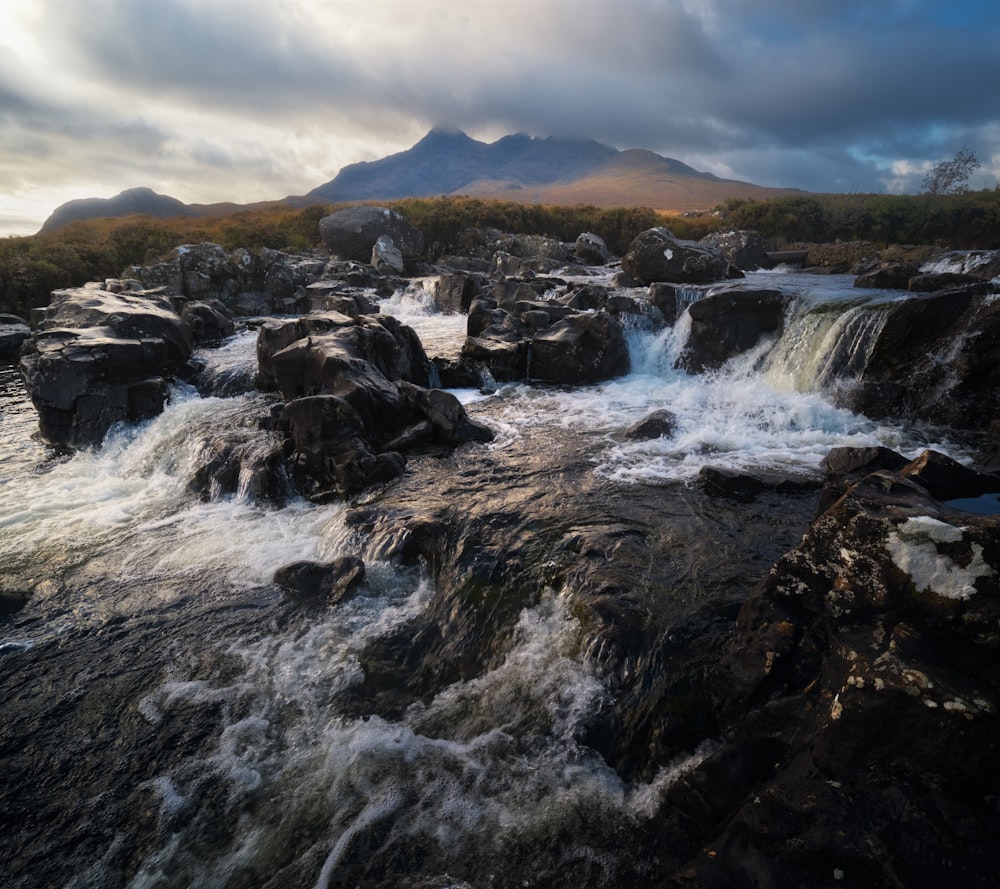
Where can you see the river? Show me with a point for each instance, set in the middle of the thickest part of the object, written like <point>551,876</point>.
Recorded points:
<point>170,719</point>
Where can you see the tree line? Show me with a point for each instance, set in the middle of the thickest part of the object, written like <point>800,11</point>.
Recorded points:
<point>91,250</point>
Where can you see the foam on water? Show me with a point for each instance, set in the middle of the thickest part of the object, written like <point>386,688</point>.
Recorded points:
<point>491,758</point>
<point>767,409</point>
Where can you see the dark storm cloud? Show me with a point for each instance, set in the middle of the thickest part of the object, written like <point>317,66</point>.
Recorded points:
<point>821,95</point>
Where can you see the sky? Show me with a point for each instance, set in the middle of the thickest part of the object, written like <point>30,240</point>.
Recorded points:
<point>248,100</point>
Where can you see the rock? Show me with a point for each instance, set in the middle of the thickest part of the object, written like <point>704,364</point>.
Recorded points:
<point>101,358</point>
<point>453,293</point>
<point>727,322</point>
<point>590,249</point>
<point>353,232</point>
<point>581,348</point>
<point>207,321</point>
<point>866,659</point>
<point>930,283</point>
<point>386,257</point>
<point>937,359</point>
<point>321,582</point>
<point>586,297</point>
<point>356,394</point>
<point>656,255</point>
<point>11,602</point>
<point>746,250</point>
<point>656,424</point>
<point>888,276</point>
<point>14,330</point>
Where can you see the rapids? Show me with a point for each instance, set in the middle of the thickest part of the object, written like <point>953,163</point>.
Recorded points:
<point>170,720</point>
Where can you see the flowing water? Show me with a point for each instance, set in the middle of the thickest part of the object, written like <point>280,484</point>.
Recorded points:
<point>170,720</point>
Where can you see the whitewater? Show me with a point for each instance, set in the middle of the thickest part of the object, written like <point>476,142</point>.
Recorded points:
<point>172,720</point>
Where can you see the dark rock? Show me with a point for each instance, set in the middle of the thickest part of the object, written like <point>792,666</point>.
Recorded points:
<point>745,486</point>
<point>930,283</point>
<point>947,479</point>
<point>11,602</point>
<point>453,293</point>
<point>656,424</point>
<point>590,249</point>
<point>321,582</point>
<point>656,255</point>
<point>727,322</point>
<point>888,275</point>
<point>356,394</point>
<point>13,332</point>
<point>506,360</point>
<point>937,359</point>
<point>208,321</point>
<point>586,297</point>
<point>386,257</point>
<point>867,658</point>
<point>460,373</point>
<point>744,249</point>
<point>352,233</point>
<point>101,358</point>
<point>584,348</point>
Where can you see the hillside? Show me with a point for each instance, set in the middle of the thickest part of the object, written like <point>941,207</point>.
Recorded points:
<point>526,169</point>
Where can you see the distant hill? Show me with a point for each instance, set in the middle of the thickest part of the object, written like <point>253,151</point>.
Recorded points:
<point>448,162</point>
<point>133,201</point>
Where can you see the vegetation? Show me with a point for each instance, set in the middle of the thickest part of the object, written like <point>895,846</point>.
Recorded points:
<point>32,266</point>
<point>951,176</point>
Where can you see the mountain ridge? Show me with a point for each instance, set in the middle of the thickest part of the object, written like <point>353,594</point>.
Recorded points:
<point>528,169</point>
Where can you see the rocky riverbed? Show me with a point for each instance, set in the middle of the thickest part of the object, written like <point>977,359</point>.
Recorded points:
<point>545,574</point>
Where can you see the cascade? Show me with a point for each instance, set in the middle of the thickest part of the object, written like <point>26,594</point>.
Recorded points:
<point>823,345</point>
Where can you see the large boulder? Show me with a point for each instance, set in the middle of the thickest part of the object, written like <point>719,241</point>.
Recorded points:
<point>746,250</point>
<point>727,322</point>
<point>861,679</point>
<point>357,397</point>
<point>937,359</point>
<point>580,348</point>
<point>657,255</point>
<point>100,358</point>
<point>352,233</point>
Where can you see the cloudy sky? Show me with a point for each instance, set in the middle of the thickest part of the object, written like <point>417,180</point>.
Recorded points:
<point>244,100</point>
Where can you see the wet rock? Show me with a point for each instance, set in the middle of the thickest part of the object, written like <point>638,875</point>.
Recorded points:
<point>208,321</point>
<point>656,255</point>
<point>727,322</point>
<point>453,293</point>
<point>746,250</point>
<point>937,358</point>
<point>356,394</point>
<point>888,275</point>
<point>656,424</point>
<point>11,602</point>
<point>721,481</point>
<point>584,348</point>
<point>13,332</point>
<point>321,582</point>
<point>352,233</point>
<point>867,657</point>
<point>932,282</point>
<point>100,358</point>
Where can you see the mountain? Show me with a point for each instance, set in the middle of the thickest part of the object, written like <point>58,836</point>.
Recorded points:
<point>446,162</point>
<point>131,202</point>
<point>520,168</point>
<point>534,170</point>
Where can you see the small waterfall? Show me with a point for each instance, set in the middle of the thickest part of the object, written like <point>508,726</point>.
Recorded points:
<point>823,345</point>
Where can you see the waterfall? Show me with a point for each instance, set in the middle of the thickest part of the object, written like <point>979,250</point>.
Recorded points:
<point>823,345</point>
